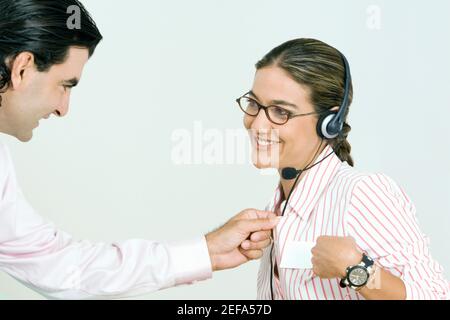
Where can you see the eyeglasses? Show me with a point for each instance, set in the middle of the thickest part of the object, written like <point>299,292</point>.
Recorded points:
<point>275,114</point>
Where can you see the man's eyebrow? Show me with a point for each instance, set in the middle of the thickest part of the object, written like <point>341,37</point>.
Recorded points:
<point>277,102</point>
<point>253,94</point>
<point>71,82</point>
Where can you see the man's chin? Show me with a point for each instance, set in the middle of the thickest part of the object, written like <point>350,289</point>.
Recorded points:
<point>24,137</point>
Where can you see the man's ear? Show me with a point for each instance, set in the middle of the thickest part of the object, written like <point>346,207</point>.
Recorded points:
<point>24,62</point>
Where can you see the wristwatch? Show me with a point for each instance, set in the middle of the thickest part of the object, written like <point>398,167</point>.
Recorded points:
<point>358,275</point>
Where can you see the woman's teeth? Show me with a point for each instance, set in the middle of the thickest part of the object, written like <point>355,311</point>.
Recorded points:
<point>264,142</point>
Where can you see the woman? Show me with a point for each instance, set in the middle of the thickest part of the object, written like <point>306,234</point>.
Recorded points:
<point>366,243</point>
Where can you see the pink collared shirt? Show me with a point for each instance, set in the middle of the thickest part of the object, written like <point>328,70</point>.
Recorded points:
<point>53,263</point>
<point>334,199</point>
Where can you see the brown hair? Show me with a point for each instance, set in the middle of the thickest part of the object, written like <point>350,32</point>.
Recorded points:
<point>320,68</point>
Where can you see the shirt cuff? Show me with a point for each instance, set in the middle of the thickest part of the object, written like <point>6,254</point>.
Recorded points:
<point>191,261</point>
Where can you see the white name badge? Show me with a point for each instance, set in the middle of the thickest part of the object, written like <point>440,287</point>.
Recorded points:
<point>297,255</point>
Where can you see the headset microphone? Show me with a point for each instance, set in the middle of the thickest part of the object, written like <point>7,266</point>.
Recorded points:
<point>290,173</point>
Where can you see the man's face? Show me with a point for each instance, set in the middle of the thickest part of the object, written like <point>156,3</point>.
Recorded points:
<point>39,94</point>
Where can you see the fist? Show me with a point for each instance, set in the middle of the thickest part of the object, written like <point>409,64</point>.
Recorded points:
<point>332,255</point>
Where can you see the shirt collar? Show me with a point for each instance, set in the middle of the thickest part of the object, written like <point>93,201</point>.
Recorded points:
<point>309,189</point>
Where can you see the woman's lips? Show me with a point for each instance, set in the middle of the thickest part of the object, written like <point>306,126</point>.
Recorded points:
<point>263,143</point>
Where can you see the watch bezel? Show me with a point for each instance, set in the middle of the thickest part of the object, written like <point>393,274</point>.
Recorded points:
<point>353,268</point>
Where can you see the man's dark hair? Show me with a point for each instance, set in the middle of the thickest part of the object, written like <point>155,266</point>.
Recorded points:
<point>41,28</point>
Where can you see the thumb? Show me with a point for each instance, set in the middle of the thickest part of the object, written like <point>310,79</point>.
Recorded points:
<point>253,225</point>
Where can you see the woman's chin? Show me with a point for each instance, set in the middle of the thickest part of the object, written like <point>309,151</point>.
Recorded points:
<point>264,165</point>
<point>262,161</point>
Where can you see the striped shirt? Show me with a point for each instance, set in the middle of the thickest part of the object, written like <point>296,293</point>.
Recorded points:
<point>334,199</point>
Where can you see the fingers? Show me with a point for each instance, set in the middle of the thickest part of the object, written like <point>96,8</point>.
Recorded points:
<point>250,245</point>
<point>260,236</point>
<point>253,214</point>
<point>254,225</point>
<point>251,254</point>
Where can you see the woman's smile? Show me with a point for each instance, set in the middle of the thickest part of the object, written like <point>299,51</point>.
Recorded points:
<point>262,143</point>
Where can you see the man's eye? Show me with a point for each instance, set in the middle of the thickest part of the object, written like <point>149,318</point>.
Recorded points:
<point>250,102</point>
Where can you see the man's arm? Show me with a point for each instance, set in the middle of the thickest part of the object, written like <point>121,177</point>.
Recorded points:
<point>52,263</point>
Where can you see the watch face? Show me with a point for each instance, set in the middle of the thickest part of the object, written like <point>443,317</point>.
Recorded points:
<point>358,276</point>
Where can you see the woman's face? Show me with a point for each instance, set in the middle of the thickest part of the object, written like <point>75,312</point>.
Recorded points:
<point>292,144</point>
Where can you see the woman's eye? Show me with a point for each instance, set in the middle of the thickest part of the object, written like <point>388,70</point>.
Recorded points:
<point>280,111</point>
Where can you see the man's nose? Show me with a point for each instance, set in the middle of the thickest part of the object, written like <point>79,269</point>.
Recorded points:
<point>63,108</point>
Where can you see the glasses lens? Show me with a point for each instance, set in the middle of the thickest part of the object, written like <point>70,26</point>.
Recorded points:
<point>249,106</point>
<point>278,115</point>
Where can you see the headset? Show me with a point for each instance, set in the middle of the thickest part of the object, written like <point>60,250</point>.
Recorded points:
<point>330,124</point>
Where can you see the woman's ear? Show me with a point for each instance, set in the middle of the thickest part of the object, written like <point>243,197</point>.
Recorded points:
<point>336,108</point>
<point>23,63</point>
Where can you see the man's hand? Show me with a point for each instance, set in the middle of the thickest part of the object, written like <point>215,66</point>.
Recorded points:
<point>332,256</point>
<point>241,239</point>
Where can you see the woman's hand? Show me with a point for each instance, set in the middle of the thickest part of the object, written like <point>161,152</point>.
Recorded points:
<point>332,255</point>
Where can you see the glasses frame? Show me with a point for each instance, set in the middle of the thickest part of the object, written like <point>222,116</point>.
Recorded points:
<point>266,110</point>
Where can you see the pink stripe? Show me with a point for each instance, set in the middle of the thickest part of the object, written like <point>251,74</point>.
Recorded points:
<point>374,231</point>
<point>306,211</point>
<point>320,184</point>
<point>331,289</point>
<point>361,238</point>
<point>323,288</point>
<point>307,291</point>
<point>292,284</point>
<point>300,283</point>
<point>310,186</point>
<point>380,212</point>
<point>407,221</point>
<point>339,288</point>
<point>393,214</point>
<point>344,190</point>
<point>314,287</point>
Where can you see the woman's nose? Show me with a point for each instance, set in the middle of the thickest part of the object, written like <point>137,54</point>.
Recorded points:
<point>260,121</point>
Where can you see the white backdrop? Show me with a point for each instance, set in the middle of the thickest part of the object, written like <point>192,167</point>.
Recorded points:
<point>105,172</point>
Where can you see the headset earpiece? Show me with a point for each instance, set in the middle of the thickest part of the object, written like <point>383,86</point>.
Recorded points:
<point>327,126</point>
<point>330,124</point>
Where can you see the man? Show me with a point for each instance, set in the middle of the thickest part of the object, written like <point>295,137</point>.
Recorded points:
<point>41,60</point>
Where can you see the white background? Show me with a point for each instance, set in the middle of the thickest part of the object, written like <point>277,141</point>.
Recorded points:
<point>105,171</point>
